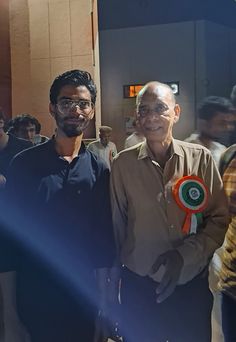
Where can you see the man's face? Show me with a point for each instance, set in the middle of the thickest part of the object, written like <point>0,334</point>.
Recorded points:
<point>218,126</point>
<point>26,132</point>
<point>105,137</point>
<point>157,113</point>
<point>73,111</point>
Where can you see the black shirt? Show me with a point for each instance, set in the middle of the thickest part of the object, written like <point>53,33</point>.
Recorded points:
<point>14,146</point>
<point>59,222</point>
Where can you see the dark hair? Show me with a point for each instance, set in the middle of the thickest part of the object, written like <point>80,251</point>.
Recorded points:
<point>23,120</point>
<point>73,77</point>
<point>210,105</point>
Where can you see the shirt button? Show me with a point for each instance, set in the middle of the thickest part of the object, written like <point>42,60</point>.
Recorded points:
<point>168,202</point>
<point>172,226</point>
<point>78,192</point>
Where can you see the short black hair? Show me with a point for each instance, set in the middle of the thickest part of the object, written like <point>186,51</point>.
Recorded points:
<point>76,78</point>
<point>23,120</point>
<point>210,105</point>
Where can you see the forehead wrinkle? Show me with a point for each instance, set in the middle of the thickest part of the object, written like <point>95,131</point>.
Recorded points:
<point>156,90</point>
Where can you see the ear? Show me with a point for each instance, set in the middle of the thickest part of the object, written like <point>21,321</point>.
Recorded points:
<point>52,109</point>
<point>91,115</point>
<point>177,111</point>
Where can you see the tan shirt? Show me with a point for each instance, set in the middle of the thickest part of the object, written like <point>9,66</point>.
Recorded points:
<point>147,220</point>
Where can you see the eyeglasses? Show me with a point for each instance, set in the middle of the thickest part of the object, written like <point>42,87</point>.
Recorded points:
<point>160,109</point>
<point>66,106</point>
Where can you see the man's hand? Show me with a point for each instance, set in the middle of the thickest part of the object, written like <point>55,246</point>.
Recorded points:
<point>173,262</point>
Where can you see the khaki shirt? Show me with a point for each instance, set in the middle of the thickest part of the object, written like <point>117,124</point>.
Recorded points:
<point>147,219</point>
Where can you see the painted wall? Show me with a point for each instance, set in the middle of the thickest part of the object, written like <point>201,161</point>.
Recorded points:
<point>48,37</point>
<point>169,52</point>
<point>5,59</point>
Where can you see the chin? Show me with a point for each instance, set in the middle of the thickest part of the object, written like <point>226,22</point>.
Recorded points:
<point>155,136</point>
<point>74,131</point>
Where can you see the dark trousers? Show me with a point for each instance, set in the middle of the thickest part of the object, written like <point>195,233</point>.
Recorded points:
<point>183,317</point>
<point>228,309</point>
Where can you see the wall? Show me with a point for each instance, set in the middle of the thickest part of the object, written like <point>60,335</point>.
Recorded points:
<point>48,37</point>
<point>137,55</point>
<point>200,55</point>
<point>5,60</point>
<point>220,58</point>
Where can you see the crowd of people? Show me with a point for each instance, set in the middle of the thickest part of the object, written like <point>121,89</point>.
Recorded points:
<point>96,244</point>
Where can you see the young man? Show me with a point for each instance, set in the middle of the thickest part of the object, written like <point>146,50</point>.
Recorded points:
<point>9,147</point>
<point>164,248</point>
<point>104,147</point>
<point>216,122</point>
<point>59,222</point>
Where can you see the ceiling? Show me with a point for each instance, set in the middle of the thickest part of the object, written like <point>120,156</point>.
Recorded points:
<point>115,14</point>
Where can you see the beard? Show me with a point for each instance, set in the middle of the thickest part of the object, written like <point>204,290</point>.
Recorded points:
<point>72,126</point>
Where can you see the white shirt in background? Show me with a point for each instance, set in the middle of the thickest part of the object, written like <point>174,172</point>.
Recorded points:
<point>107,153</point>
<point>134,139</point>
<point>215,148</point>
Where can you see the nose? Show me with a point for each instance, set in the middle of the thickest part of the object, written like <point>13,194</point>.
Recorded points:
<point>76,109</point>
<point>153,115</point>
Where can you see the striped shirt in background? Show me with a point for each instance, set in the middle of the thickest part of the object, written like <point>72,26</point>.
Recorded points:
<point>228,272</point>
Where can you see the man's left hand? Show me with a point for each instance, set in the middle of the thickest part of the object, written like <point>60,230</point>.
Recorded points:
<point>173,262</point>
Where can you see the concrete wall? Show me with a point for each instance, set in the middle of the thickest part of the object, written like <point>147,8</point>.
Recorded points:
<point>48,37</point>
<point>169,52</point>
<point>220,58</point>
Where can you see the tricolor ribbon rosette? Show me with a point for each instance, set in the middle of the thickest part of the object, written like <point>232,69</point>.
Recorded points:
<point>191,195</point>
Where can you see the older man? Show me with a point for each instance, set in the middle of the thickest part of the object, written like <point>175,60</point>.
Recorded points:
<point>170,214</point>
<point>103,147</point>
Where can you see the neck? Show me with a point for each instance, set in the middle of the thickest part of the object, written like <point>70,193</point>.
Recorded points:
<point>68,147</point>
<point>160,150</point>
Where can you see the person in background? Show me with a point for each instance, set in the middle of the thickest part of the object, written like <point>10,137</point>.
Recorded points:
<point>216,119</point>
<point>38,138</point>
<point>9,147</point>
<point>57,226</point>
<point>164,247</point>
<point>216,122</point>
<point>9,320</point>
<point>233,100</point>
<point>27,127</point>
<point>104,147</point>
<point>227,274</point>
<point>23,126</point>
<point>135,138</point>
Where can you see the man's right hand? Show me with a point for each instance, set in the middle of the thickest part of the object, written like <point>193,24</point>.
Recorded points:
<point>173,262</point>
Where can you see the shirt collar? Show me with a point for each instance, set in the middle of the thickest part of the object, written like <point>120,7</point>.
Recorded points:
<point>51,144</point>
<point>144,151</point>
